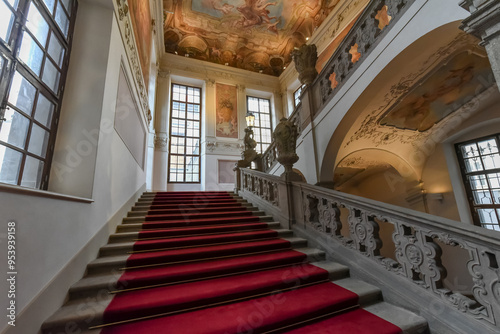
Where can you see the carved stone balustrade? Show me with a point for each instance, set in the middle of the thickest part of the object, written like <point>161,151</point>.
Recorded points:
<point>363,230</point>
<point>377,18</point>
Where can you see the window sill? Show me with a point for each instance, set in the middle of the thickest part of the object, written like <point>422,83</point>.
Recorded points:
<point>42,193</point>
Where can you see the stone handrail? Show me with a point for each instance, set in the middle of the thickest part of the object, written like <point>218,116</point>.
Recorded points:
<point>418,239</point>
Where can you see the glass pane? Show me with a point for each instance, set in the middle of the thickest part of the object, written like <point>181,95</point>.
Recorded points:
<point>473,165</point>
<point>67,5</point>
<point>470,151</point>
<point>62,19</point>
<point>14,128</point>
<point>56,50</point>
<point>51,76</point>
<point>37,25</point>
<point>10,163</point>
<point>22,93</point>
<point>31,54</point>
<point>482,197</point>
<point>44,111</point>
<point>39,141</point>
<point>6,21</point>
<point>491,161</point>
<point>494,180</point>
<point>13,3</point>
<point>478,182</point>
<point>32,173</point>
<point>50,5</point>
<point>487,216</point>
<point>488,146</point>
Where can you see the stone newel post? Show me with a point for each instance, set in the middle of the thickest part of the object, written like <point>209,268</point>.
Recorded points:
<point>285,136</point>
<point>305,63</point>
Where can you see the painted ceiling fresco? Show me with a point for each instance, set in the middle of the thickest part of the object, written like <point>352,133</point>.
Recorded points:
<point>255,35</point>
<point>450,86</point>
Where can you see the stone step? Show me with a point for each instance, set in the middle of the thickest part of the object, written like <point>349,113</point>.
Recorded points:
<point>126,247</point>
<point>110,264</point>
<point>142,219</point>
<point>92,313</point>
<point>101,283</point>
<point>137,226</point>
<point>132,236</point>
<point>147,212</point>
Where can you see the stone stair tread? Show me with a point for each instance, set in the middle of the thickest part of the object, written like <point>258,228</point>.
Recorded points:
<point>337,270</point>
<point>408,321</point>
<point>367,293</point>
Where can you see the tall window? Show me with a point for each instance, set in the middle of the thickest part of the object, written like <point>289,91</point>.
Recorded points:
<point>35,41</point>
<point>480,165</point>
<point>296,96</point>
<point>185,135</point>
<point>262,129</point>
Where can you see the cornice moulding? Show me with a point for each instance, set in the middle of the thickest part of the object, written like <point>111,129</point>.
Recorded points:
<point>185,66</point>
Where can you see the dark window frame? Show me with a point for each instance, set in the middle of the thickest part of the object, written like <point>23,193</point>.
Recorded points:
<point>296,95</point>
<point>467,183</point>
<point>171,135</point>
<point>15,66</point>
<point>257,114</point>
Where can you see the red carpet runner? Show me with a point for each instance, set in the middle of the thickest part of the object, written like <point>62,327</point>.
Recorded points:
<point>205,264</point>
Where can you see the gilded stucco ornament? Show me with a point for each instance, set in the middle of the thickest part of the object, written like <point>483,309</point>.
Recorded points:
<point>305,63</point>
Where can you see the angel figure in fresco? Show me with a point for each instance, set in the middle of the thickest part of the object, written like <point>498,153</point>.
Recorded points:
<point>255,13</point>
<point>224,8</point>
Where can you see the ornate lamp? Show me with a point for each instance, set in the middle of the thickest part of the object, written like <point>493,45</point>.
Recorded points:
<point>250,118</point>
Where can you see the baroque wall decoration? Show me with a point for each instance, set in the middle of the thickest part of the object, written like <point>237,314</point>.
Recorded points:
<point>141,21</point>
<point>370,127</point>
<point>226,111</point>
<point>256,35</point>
<point>453,83</point>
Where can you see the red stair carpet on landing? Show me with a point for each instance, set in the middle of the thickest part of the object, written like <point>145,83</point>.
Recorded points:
<point>198,268</point>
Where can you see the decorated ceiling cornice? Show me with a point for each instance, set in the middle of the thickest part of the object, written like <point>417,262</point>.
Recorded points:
<point>255,35</point>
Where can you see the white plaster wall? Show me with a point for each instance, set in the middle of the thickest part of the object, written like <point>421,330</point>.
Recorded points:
<point>52,232</point>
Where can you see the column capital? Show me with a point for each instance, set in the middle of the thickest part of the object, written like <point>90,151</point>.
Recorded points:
<point>161,141</point>
<point>210,82</point>
<point>164,74</point>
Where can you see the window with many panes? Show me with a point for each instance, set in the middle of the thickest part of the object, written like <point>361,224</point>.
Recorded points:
<point>261,109</point>
<point>296,95</point>
<point>185,135</point>
<point>35,40</point>
<point>480,165</point>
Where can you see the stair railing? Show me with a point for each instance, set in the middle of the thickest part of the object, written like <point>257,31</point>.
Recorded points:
<point>417,241</point>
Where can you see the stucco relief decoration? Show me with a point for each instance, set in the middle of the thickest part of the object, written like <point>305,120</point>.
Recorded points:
<point>226,111</point>
<point>425,101</point>
<point>453,83</point>
<point>141,20</point>
<point>256,35</point>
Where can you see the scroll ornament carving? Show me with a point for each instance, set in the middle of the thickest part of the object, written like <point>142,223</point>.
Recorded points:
<point>285,136</point>
<point>364,232</point>
<point>420,257</point>
<point>329,215</point>
<point>305,59</point>
<point>122,9</point>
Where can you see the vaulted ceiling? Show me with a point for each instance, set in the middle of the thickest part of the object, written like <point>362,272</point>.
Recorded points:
<point>255,35</point>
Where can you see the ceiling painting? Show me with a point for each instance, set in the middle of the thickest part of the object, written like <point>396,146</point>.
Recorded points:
<point>255,35</point>
<point>450,86</point>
